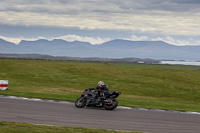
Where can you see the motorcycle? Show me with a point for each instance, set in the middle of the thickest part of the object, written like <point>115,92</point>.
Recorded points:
<point>98,98</point>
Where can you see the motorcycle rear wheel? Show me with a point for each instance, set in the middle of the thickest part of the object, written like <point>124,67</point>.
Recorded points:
<point>111,106</point>
<point>80,102</point>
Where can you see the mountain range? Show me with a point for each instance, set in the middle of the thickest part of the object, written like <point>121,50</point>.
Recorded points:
<point>112,49</point>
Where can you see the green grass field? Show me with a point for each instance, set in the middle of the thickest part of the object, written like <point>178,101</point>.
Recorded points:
<point>175,87</point>
<point>11,127</point>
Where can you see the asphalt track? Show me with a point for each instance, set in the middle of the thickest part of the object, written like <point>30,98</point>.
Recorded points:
<point>49,112</point>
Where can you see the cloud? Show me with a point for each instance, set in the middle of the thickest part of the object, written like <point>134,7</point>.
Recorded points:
<point>91,40</point>
<point>187,1</point>
<point>17,40</point>
<point>69,38</point>
<point>137,38</point>
<point>167,39</point>
<point>99,40</point>
<point>179,17</point>
<point>171,40</point>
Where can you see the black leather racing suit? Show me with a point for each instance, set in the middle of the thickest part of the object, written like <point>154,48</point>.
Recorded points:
<point>101,94</point>
<point>104,89</point>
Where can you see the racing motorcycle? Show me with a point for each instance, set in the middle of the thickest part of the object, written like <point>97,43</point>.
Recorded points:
<point>98,98</point>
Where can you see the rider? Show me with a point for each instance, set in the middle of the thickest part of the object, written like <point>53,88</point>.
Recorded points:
<point>102,90</point>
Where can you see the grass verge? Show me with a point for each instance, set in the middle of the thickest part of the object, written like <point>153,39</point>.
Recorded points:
<point>12,127</point>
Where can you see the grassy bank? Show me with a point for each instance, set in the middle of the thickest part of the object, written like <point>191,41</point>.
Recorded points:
<point>11,127</point>
<point>174,87</point>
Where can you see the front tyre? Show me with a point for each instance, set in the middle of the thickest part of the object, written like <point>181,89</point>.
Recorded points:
<point>80,102</point>
<point>112,105</point>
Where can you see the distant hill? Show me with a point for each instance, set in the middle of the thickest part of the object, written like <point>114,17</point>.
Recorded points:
<point>61,58</point>
<point>112,49</point>
<point>7,47</point>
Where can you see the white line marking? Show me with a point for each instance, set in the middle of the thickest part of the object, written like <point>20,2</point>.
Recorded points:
<point>122,107</point>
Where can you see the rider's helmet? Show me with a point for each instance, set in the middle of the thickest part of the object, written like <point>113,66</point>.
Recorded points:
<point>100,83</point>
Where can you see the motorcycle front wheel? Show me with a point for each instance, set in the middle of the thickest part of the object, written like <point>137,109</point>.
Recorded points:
<point>111,105</point>
<point>80,102</point>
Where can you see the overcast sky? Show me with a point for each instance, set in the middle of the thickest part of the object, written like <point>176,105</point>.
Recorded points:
<point>97,21</point>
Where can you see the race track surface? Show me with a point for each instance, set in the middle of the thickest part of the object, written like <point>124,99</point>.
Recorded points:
<point>66,114</point>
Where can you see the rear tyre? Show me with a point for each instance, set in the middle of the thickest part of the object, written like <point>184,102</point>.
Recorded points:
<point>112,105</point>
<point>80,102</point>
